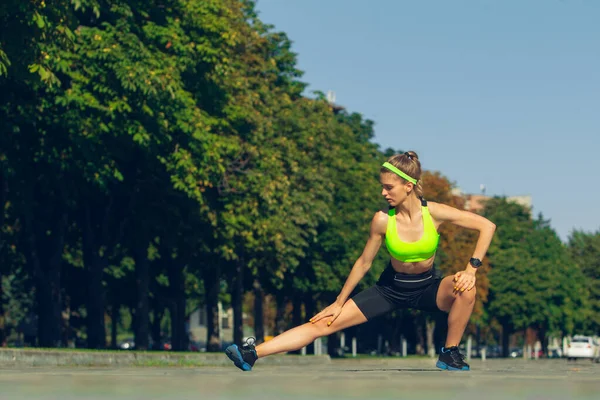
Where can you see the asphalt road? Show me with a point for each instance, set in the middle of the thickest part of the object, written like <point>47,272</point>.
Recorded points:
<point>341,379</point>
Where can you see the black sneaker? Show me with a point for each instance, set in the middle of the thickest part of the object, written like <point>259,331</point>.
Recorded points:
<point>243,357</point>
<point>452,360</point>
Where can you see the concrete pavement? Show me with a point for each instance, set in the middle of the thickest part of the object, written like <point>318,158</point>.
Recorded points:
<point>392,378</point>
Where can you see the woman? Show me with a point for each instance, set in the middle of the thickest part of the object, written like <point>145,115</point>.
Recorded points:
<point>410,232</point>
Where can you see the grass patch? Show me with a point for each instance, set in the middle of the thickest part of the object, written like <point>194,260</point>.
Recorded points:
<point>83,350</point>
<point>180,363</point>
<point>379,357</point>
<point>140,364</point>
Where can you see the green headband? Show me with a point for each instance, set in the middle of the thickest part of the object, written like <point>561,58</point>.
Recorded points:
<point>399,173</point>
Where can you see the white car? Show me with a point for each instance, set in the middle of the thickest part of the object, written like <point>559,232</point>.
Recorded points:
<point>582,347</point>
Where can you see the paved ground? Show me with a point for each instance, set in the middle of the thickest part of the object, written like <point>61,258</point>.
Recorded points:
<point>340,379</point>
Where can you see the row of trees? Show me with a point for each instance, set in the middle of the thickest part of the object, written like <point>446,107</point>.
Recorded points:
<point>160,155</point>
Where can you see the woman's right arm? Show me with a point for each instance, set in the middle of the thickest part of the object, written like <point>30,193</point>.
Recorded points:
<point>360,268</point>
<point>364,262</point>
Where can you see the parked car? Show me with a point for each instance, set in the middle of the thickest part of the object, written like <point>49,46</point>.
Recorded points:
<point>516,352</point>
<point>127,344</point>
<point>582,347</point>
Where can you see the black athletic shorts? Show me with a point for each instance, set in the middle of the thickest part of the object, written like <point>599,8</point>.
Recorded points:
<point>396,290</point>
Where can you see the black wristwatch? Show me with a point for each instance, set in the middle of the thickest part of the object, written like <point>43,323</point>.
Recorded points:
<point>475,262</point>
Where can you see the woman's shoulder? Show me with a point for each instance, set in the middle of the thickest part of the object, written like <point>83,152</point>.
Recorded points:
<point>441,211</point>
<point>382,213</point>
<point>380,218</point>
<point>436,205</point>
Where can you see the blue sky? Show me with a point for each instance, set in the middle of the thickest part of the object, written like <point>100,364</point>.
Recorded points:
<point>502,93</point>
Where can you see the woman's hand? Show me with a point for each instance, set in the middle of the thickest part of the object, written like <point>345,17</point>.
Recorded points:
<point>464,280</point>
<point>333,310</point>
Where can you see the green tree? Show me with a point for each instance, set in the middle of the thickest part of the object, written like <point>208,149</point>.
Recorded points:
<point>511,265</point>
<point>584,250</point>
<point>532,282</point>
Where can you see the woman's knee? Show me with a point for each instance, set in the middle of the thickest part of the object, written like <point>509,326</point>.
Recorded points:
<point>351,315</point>
<point>467,296</point>
<point>321,328</point>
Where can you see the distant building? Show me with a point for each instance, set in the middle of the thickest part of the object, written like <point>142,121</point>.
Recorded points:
<point>476,202</point>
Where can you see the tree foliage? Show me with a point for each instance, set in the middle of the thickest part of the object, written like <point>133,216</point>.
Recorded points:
<point>532,281</point>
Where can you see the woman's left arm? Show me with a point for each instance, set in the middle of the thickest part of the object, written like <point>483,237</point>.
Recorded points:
<point>466,219</point>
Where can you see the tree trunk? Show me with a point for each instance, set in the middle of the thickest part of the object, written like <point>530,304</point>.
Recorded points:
<point>309,306</point>
<point>3,332</point>
<point>95,264</point>
<point>132,312</point>
<point>95,305</point>
<point>179,336</point>
<point>237,297</point>
<point>280,323</point>
<point>430,327</point>
<point>297,311</point>
<point>259,323</point>
<point>543,338</point>
<point>2,319</point>
<point>333,345</point>
<point>478,338</point>
<point>297,321</point>
<point>157,317</point>
<point>45,259</point>
<point>142,279</point>
<point>212,288</point>
<point>506,331</point>
<point>49,316</point>
<point>47,281</point>
<point>114,322</point>
<point>3,200</point>
<point>419,326</point>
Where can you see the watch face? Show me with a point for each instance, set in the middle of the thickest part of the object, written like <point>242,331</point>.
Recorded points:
<point>475,262</point>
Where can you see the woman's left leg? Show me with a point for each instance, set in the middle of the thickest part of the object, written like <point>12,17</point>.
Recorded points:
<point>458,305</point>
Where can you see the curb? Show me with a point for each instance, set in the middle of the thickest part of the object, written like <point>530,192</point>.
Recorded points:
<point>56,358</point>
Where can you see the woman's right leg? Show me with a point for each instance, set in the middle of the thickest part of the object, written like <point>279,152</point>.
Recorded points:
<point>302,335</point>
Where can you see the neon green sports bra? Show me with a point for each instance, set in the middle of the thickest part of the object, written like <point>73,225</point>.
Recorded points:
<point>421,250</point>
